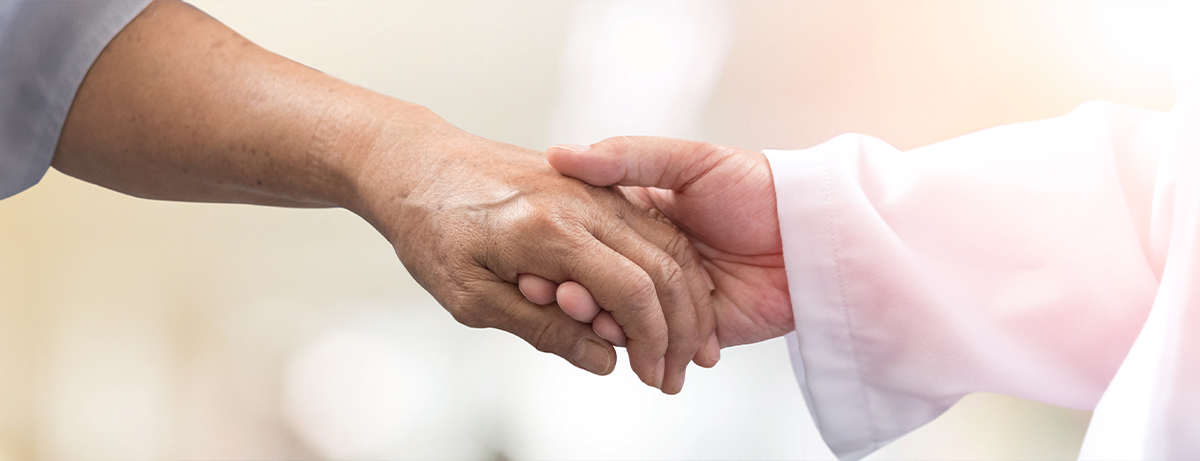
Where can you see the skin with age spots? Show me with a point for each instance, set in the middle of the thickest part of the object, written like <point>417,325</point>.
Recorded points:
<point>179,107</point>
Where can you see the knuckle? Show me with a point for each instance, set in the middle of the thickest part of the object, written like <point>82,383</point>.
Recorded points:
<point>467,316</point>
<point>622,143</point>
<point>469,308</point>
<point>641,293</point>
<point>561,222</point>
<point>659,217</point>
<point>542,336</point>
<point>679,247</point>
<point>555,220</point>
<point>523,218</point>
<point>615,143</point>
<point>538,337</point>
<point>669,271</point>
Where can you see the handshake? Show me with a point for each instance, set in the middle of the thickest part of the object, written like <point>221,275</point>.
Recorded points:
<point>669,248</point>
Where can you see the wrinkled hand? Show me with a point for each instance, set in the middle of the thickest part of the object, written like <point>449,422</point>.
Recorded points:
<point>723,198</point>
<point>180,107</point>
<point>481,213</point>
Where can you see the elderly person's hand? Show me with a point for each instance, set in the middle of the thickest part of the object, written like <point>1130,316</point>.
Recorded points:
<point>179,107</point>
<point>477,214</point>
<point>724,200</point>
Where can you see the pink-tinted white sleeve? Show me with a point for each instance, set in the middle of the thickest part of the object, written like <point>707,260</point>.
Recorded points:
<point>1017,260</point>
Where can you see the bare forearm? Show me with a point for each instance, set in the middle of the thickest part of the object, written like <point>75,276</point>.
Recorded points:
<point>180,107</point>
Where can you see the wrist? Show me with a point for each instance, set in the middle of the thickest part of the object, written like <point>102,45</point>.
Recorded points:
<point>386,157</point>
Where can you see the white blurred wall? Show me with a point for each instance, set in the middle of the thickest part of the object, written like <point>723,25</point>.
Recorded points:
<point>132,329</point>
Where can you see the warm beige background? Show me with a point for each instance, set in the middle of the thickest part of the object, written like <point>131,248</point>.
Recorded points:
<point>132,329</point>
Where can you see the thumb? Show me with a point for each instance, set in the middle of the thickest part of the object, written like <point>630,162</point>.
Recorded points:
<point>645,161</point>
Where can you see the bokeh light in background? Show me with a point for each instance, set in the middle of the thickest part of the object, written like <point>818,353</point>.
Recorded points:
<point>350,395</point>
<point>375,382</point>
<point>640,68</point>
<point>1139,33</point>
<point>132,329</point>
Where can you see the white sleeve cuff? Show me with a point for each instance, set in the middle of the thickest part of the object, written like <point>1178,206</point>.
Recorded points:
<point>1008,260</point>
<point>829,368</point>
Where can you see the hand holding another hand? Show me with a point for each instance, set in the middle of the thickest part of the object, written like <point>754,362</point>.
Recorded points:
<point>180,107</point>
<point>722,198</point>
<point>479,213</point>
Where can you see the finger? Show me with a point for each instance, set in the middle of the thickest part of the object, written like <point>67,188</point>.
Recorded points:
<point>714,348</point>
<point>567,249</point>
<point>710,355</point>
<point>548,329</point>
<point>536,289</point>
<point>656,229</point>
<point>577,302</point>
<point>616,282</point>
<point>674,297</point>
<point>607,327</point>
<point>637,161</point>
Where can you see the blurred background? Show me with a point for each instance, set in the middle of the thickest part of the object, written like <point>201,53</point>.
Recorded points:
<point>134,329</point>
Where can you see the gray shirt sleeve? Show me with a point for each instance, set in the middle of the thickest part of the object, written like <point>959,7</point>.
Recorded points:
<point>46,48</point>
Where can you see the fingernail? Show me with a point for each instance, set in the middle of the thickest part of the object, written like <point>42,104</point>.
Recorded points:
<point>572,147</point>
<point>708,279</point>
<point>593,357</point>
<point>659,371</point>
<point>678,387</point>
<point>714,348</point>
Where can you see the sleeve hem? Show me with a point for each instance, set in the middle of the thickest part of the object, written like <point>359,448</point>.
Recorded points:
<point>51,46</point>
<point>824,356</point>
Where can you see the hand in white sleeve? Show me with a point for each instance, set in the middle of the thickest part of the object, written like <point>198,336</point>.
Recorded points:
<point>1019,260</point>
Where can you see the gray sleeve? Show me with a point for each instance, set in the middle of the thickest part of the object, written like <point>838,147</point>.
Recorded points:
<point>46,48</point>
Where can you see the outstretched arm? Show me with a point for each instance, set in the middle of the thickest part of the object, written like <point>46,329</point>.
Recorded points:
<point>179,107</point>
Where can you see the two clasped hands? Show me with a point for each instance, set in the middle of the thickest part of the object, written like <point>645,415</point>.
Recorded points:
<point>669,248</point>
<point>673,252</point>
